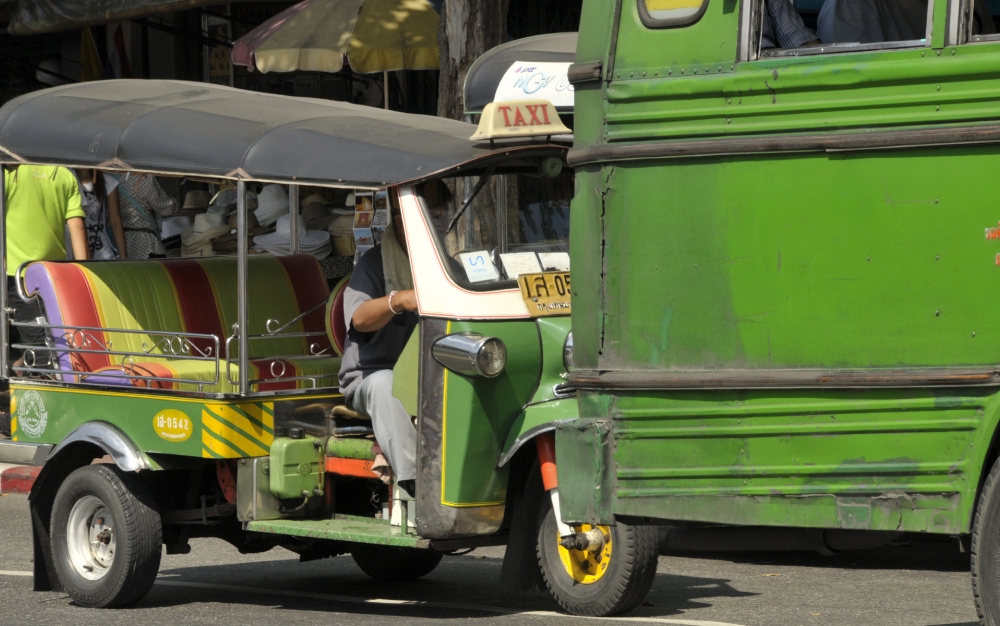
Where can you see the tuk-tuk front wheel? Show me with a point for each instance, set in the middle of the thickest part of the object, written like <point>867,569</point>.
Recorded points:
<point>610,580</point>
<point>105,536</point>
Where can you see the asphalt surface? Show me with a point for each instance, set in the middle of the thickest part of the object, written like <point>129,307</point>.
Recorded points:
<point>918,581</point>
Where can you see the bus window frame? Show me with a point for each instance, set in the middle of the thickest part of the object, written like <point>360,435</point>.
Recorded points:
<point>751,21</point>
<point>654,23</point>
<point>960,23</point>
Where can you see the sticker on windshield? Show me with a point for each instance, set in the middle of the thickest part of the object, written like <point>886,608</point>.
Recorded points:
<point>478,266</point>
<point>554,261</point>
<point>517,263</point>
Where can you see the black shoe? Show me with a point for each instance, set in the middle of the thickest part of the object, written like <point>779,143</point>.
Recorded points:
<point>409,486</point>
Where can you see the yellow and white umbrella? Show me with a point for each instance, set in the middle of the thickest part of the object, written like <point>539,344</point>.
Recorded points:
<point>315,35</point>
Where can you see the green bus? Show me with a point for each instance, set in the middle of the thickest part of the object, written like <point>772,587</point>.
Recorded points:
<point>781,271</point>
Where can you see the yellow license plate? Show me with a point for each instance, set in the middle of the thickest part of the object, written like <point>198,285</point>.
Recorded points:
<point>546,294</point>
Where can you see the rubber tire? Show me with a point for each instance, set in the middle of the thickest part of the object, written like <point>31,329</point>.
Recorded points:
<point>624,585</point>
<point>985,551</point>
<point>394,564</point>
<point>137,559</point>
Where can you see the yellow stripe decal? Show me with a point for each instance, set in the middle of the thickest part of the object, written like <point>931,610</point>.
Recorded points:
<point>231,436</point>
<point>218,447</point>
<point>671,5</point>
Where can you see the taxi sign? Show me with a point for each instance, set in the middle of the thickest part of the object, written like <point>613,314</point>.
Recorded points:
<point>519,118</point>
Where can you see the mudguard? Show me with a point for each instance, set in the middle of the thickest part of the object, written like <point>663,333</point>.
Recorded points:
<point>534,420</point>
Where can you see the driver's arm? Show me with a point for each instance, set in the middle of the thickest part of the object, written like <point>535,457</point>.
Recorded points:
<point>373,314</point>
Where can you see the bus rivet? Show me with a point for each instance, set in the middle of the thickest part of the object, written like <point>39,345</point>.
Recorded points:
<point>939,87</point>
<point>937,258</point>
<point>720,68</point>
<point>939,53</point>
<point>953,52</point>
<point>869,258</point>
<point>656,72</point>
<point>937,108</point>
<point>631,75</point>
<point>669,72</point>
<point>973,333</point>
<point>644,73</point>
<point>728,121</point>
<point>937,313</point>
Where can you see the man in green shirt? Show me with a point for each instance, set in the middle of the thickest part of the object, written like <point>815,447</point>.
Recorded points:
<point>42,203</point>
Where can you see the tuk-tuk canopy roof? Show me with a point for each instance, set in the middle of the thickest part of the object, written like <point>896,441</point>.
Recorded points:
<point>484,76</point>
<point>184,128</point>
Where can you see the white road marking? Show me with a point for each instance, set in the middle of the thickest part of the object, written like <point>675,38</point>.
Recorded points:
<point>329,597</point>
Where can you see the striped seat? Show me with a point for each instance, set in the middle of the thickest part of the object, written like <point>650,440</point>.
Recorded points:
<point>187,296</point>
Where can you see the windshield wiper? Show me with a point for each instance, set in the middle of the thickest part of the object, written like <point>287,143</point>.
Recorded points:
<point>475,191</point>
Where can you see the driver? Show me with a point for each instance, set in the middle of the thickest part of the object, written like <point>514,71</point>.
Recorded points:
<point>380,308</point>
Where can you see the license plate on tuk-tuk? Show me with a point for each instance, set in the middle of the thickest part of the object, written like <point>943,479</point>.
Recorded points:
<point>546,294</point>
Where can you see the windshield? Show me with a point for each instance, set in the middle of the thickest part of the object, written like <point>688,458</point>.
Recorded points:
<point>494,227</point>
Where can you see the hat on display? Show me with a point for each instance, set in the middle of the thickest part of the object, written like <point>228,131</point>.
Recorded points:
<point>316,216</point>
<point>204,222</point>
<point>314,242</point>
<point>349,203</point>
<point>196,200</point>
<point>174,225</point>
<point>251,221</point>
<point>272,203</point>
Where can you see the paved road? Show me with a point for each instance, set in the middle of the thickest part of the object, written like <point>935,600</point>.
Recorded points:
<point>917,583</point>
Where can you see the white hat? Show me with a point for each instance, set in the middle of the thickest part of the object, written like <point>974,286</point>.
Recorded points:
<point>207,221</point>
<point>173,225</point>
<point>315,242</point>
<point>349,203</point>
<point>272,202</point>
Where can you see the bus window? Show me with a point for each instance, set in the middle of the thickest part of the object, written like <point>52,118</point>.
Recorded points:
<point>980,24</point>
<point>827,26</point>
<point>668,13</point>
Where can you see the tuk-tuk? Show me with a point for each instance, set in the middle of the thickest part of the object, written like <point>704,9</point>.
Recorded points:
<point>785,271</point>
<point>198,397</point>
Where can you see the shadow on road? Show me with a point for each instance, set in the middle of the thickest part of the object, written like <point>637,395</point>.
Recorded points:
<point>460,588</point>
<point>934,553</point>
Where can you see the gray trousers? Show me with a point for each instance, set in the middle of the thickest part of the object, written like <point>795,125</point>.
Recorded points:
<point>393,429</point>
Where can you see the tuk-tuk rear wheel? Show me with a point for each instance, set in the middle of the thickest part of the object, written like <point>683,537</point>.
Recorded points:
<point>105,537</point>
<point>624,571</point>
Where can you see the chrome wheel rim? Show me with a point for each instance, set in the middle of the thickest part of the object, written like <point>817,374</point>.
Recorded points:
<point>90,538</point>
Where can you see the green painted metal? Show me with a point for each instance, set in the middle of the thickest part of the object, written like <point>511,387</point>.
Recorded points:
<point>296,467</point>
<point>480,412</point>
<point>769,263</point>
<point>350,448</point>
<point>537,415</point>
<point>405,374</point>
<point>156,423</point>
<point>343,528</point>
<point>553,332</point>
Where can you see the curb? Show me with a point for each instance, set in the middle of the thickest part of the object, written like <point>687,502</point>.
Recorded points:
<point>17,478</point>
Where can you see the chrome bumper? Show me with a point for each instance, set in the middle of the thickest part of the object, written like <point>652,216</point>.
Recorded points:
<point>24,453</point>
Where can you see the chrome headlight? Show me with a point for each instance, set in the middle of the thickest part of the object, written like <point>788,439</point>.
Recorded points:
<point>471,354</point>
<point>568,352</point>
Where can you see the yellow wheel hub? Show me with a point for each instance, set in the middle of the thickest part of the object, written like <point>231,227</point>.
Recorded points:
<point>584,566</point>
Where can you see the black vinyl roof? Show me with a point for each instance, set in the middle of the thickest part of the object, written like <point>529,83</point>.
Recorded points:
<point>485,74</point>
<point>185,128</point>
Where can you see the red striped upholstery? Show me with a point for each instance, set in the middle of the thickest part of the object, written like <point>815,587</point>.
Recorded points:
<point>187,296</point>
